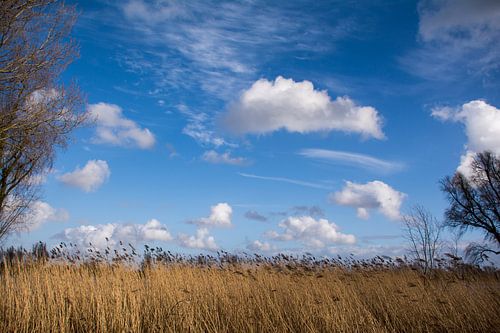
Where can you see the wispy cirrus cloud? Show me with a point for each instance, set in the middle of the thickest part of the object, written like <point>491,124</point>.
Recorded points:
<point>198,127</point>
<point>218,40</point>
<point>354,159</point>
<point>286,180</point>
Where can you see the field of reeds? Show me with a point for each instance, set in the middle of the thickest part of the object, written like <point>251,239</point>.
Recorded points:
<point>67,291</point>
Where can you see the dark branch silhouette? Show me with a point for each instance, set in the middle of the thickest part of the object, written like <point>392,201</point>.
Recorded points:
<point>475,201</point>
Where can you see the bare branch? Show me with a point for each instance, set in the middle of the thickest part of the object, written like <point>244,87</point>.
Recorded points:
<point>36,113</point>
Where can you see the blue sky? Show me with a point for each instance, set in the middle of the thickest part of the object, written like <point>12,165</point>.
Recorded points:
<point>270,126</point>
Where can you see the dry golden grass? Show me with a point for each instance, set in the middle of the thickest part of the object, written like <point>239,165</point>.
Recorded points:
<point>50,297</point>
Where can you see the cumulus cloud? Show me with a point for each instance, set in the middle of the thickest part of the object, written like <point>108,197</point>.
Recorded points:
<point>256,216</point>
<point>115,129</point>
<point>40,212</point>
<point>482,127</point>
<point>481,120</point>
<point>372,195</point>
<point>269,106</point>
<point>96,235</point>
<point>89,178</point>
<point>220,216</point>
<point>316,233</point>
<point>202,240</point>
<point>361,160</point>
<point>465,166</point>
<point>211,156</point>
<point>259,246</point>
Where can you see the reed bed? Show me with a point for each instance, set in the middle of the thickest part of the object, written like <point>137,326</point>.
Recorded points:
<point>253,294</point>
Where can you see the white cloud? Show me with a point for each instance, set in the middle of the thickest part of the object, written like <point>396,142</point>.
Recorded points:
<point>42,98</point>
<point>482,127</point>
<point>363,213</point>
<point>202,240</point>
<point>200,45</point>
<point>443,113</point>
<point>154,230</point>
<point>197,129</point>
<point>214,47</point>
<point>96,235</point>
<point>90,177</point>
<point>139,10</point>
<point>285,180</point>
<point>465,167</point>
<point>297,107</point>
<point>113,128</point>
<point>372,195</point>
<point>41,212</point>
<point>220,216</point>
<point>199,132</point>
<point>445,19</point>
<point>316,233</point>
<point>457,37</point>
<point>259,246</point>
<point>349,158</point>
<point>481,120</point>
<point>211,156</point>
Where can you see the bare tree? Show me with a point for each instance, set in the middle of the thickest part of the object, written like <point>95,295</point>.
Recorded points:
<point>423,232</point>
<point>475,202</point>
<point>36,112</point>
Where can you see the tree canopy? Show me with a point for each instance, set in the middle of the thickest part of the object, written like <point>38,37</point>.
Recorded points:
<point>475,199</point>
<point>37,112</point>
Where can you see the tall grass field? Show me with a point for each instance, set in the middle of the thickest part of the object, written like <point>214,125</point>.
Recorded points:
<point>252,294</point>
